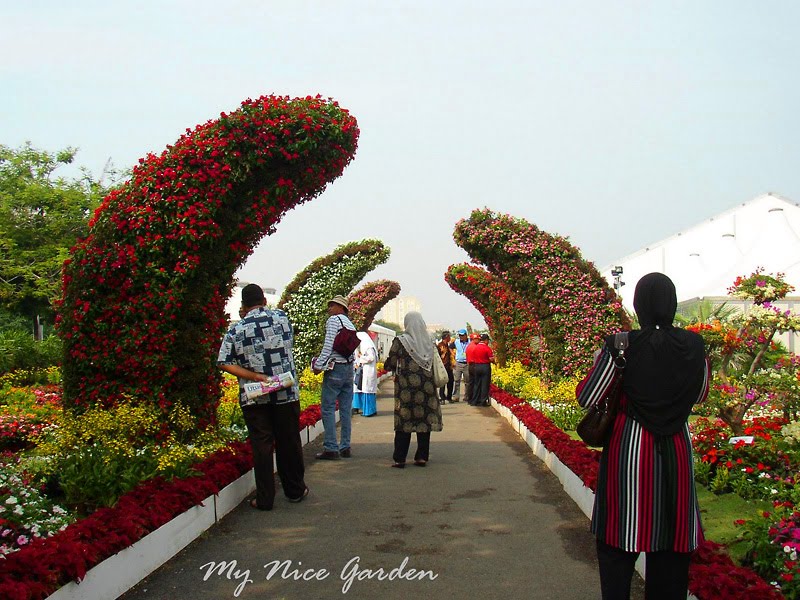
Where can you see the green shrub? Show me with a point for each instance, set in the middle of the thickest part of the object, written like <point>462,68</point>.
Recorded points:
<point>19,351</point>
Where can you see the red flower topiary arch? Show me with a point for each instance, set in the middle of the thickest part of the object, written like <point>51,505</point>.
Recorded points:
<point>574,306</point>
<point>510,318</point>
<point>143,295</point>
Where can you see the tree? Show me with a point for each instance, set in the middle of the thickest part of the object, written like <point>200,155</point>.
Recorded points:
<point>389,325</point>
<point>41,218</point>
<point>751,368</point>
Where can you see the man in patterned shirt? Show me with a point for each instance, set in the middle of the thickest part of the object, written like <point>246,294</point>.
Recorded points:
<point>256,347</point>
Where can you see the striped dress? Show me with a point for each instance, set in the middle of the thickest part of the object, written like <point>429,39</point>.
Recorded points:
<point>645,499</point>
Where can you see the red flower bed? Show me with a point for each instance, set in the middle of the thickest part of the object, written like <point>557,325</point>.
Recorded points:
<point>581,460</point>
<point>44,565</point>
<point>41,567</point>
<point>712,573</point>
<point>310,416</point>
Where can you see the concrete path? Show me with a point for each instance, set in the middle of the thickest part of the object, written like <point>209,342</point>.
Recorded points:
<point>485,519</point>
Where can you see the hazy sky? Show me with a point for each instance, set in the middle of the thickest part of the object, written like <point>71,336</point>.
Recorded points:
<point>613,123</point>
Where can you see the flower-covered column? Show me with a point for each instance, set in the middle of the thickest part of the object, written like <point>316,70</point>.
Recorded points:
<point>369,299</point>
<point>511,320</point>
<point>574,305</point>
<point>144,294</point>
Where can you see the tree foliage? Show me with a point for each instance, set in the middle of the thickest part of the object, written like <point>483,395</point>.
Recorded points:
<point>41,217</point>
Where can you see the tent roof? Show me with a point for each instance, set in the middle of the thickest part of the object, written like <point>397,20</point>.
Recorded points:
<point>705,259</point>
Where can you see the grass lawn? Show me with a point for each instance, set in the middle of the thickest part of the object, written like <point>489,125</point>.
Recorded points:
<point>719,512</point>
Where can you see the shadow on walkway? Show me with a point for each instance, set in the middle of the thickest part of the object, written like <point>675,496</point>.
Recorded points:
<point>485,519</point>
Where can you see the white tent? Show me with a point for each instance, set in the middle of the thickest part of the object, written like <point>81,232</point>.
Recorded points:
<point>704,260</point>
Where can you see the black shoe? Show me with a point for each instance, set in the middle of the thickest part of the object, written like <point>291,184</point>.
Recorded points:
<point>301,498</point>
<point>327,455</point>
<point>345,453</point>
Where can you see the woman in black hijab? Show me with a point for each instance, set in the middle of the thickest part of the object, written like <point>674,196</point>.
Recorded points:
<point>645,499</point>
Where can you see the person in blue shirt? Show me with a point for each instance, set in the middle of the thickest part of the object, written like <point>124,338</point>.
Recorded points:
<point>460,369</point>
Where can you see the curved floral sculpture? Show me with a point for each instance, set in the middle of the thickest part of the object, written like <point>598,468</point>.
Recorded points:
<point>574,305</point>
<point>305,299</point>
<point>144,294</point>
<point>510,318</point>
<point>369,299</point>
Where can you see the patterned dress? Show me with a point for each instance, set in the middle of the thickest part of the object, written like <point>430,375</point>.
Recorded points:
<point>416,400</point>
<point>645,499</point>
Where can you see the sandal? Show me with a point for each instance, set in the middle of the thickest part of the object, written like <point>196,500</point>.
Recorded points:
<point>420,463</point>
<point>399,465</point>
<point>301,498</point>
<point>254,504</point>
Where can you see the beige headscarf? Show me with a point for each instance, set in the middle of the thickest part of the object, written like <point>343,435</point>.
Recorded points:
<point>417,341</point>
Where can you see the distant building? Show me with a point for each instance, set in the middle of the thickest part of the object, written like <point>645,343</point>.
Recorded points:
<point>235,301</point>
<point>395,310</point>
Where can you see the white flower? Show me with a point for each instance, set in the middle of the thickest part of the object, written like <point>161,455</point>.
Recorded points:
<point>11,500</point>
<point>18,509</point>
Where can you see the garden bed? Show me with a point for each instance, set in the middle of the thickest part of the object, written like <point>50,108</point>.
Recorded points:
<point>712,574</point>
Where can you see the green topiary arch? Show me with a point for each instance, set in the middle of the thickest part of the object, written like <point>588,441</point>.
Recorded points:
<point>144,294</point>
<point>305,299</point>
<point>574,305</point>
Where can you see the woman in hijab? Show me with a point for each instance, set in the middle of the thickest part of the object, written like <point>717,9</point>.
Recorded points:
<point>416,401</point>
<point>367,361</point>
<point>645,499</point>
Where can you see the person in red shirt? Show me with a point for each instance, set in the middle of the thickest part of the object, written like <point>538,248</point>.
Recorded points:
<point>480,358</point>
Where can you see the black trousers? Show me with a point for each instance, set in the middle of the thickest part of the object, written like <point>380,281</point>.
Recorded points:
<point>480,379</point>
<point>276,426</point>
<point>446,391</point>
<point>402,441</point>
<point>667,573</point>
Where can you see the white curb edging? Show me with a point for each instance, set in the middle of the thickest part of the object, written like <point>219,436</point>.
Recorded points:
<point>120,572</point>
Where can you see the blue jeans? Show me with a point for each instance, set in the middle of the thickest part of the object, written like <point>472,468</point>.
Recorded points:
<point>337,384</point>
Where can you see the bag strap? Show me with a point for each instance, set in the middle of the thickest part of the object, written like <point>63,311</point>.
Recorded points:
<point>620,345</point>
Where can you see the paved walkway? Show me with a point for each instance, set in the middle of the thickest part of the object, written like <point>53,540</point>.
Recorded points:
<point>485,519</point>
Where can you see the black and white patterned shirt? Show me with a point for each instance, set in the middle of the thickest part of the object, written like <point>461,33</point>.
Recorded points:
<point>261,342</point>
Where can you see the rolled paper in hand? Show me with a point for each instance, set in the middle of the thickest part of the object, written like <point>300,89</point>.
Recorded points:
<point>273,384</point>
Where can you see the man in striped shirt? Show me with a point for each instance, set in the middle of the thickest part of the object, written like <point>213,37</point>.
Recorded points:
<point>337,383</point>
